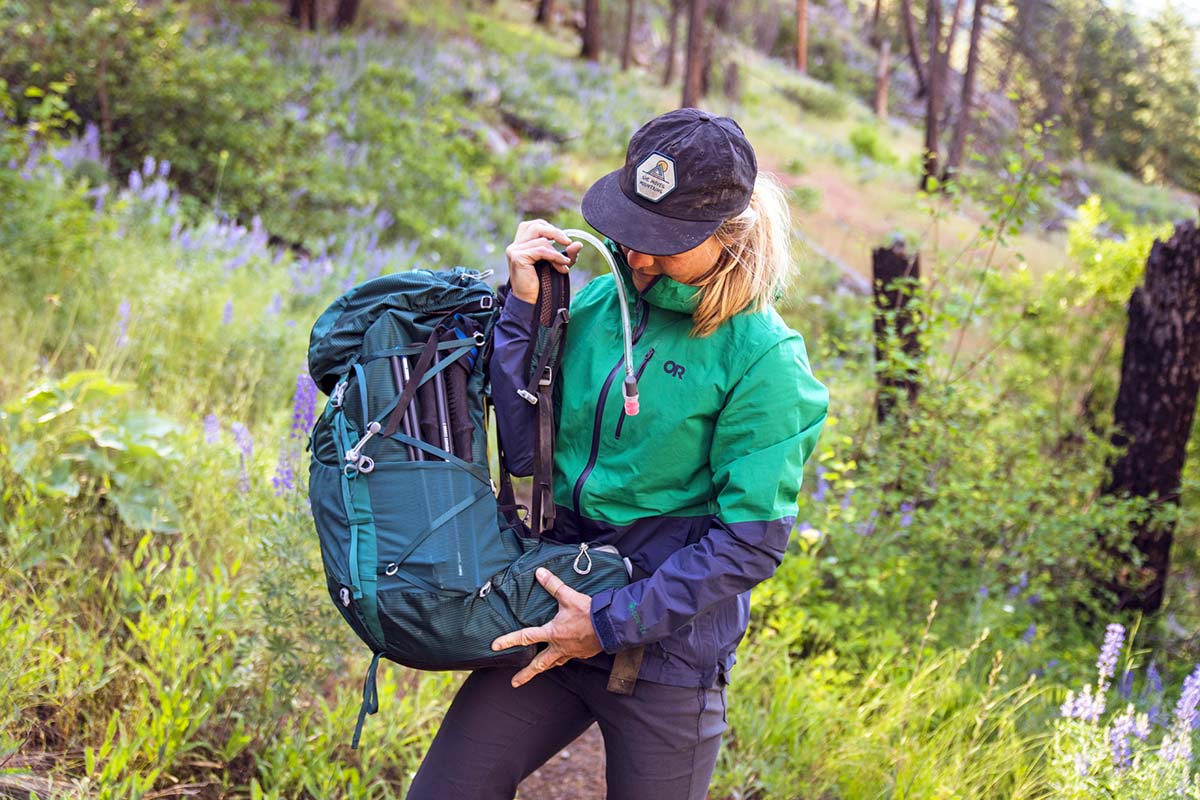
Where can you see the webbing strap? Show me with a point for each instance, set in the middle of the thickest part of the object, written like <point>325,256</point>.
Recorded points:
<point>370,699</point>
<point>442,519</point>
<point>542,511</point>
<point>624,673</point>
<point>410,389</point>
<point>477,472</point>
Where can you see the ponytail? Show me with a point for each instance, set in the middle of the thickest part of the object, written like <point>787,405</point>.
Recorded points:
<point>755,260</point>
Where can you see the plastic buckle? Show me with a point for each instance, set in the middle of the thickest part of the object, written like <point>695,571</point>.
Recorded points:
<point>339,393</point>
<point>547,378</point>
<point>487,302</point>
<point>527,397</point>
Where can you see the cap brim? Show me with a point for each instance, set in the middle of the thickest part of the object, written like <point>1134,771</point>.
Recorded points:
<point>608,210</point>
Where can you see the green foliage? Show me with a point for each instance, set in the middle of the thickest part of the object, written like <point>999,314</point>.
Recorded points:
<point>813,97</point>
<point>1109,269</point>
<point>868,142</point>
<point>67,446</point>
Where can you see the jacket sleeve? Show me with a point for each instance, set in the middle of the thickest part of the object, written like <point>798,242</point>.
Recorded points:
<point>766,431</point>
<point>515,417</point>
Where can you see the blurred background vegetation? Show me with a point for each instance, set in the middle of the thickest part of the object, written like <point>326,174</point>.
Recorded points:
<point>184,186</point>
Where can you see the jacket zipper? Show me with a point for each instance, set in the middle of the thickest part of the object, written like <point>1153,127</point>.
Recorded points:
<point>642,368</point>
<point>612,375</point>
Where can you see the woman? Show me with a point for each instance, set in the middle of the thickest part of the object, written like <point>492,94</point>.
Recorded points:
<point>698,490</point>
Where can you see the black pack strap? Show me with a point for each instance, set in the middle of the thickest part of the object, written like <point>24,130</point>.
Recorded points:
<point>370,700</point>
<point>549,357</point>
<point>414,380</point>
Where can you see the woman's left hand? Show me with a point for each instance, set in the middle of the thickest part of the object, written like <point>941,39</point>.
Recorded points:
<point>569,635</point>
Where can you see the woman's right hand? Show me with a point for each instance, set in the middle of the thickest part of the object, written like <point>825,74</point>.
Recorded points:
<point>534,242</point>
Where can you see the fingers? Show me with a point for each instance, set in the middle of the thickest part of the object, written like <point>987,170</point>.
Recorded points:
<point>549,658</point>
<point>523,637</point>
<point>539,228</point>
<point>552,583</point>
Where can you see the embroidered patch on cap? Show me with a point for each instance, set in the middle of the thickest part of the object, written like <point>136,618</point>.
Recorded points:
<point>655,177</point>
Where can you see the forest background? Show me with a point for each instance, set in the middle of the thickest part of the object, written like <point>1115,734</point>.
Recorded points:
<point>973,606</point>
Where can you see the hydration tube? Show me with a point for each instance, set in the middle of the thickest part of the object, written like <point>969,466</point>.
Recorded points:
<point>629,388</point>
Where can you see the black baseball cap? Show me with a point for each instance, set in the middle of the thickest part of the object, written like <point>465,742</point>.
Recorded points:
<point>685,173</point>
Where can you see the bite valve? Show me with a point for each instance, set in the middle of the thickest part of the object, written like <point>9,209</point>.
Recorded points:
<point>630,392</point>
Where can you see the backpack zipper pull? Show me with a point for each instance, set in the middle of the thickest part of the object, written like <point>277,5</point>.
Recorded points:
<point>583,551</point>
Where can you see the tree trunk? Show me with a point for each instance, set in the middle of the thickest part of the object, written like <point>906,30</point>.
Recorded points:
<point>1156,404</point>
<point>303,13</point>
<point>914,48</point>
<point>802,36</point>
<point>875,39</point>
<point>694,69</point>
<point>882,75</point>
<point>545,12</point>
<point>947,51</point>
<point>347,10</point>
<point>591,30</point>
<point>627,45</point>
<point>897,343</point>
<point>933,96</point>
<point>672,42</point>
<point>954,159</point>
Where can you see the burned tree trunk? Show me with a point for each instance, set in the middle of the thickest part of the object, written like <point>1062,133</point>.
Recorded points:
<point>935,80</point>
<point>897,343</point>
<point>344,16</point>
<point>591,30</point>
<point>303,13</point>
<point>1156,404</point>
<point>914,49</point>
<point>958,143</point>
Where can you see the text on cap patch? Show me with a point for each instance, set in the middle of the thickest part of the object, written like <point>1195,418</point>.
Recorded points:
<point>655,177</point>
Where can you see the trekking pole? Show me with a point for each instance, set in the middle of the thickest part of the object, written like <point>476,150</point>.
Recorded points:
<point>410,413</point>
<point>443,411</point>
<point>400,373</point>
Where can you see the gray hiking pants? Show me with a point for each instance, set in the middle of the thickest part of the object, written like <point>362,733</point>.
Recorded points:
<point>661,742</point>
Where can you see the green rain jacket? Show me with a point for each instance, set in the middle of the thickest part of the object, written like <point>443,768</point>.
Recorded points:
<point>698,490</point>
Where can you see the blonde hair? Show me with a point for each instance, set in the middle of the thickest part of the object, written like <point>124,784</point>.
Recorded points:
<point>755,261</point>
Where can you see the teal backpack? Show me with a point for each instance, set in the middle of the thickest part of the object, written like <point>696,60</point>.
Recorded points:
<point>421,557</point>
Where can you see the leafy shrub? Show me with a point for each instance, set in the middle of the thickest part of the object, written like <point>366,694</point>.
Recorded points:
<point>868,142</point>
<point>814,98</point>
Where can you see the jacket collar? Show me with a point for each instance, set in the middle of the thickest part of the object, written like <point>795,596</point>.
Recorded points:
<point>664,292</point>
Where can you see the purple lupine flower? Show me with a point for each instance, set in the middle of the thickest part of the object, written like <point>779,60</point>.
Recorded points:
<point>304,406</point>
<point>276,305</point>
<point>164,168</point>
<point>906,517</point>
<point>822,489</point>
<point>135,182</point>
<point>1189,699</point>
<point>149,166</point>
<point>1106,664</point>
<point>227,313</point>
<point>1125,685</point>
<point>245,445</point>
<point>212,429</point>
<point>1085,706</point>
<point>243,439</point>
<point>1154,679</point>
<point>1030,634</point>
<point>123,323</point>
<point>1118,738</point>
<point>1034,598</point>
<point>846,499</point>
<point>983,591</point>
<point>284,479</point>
